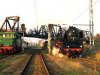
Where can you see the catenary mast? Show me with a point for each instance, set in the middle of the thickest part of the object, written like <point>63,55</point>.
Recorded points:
<point>91,25</point>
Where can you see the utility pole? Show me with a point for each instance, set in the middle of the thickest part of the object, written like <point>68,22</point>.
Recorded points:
<point>91,25</point>
<point>49,36</point>
<point>23,30</point>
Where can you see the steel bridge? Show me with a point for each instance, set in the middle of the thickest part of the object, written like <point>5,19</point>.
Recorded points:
<point>44,29</point>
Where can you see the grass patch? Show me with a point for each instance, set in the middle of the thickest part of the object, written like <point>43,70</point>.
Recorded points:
<point>97,45</point>
<point>44,51</point>
<point>3,56</point>
<point>3,65</point>
<point>97,73</point>
<point>18,56</point>
<point>7,73</point>
<point>86,52</point>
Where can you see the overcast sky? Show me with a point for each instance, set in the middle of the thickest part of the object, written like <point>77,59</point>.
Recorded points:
<point>50,11</point>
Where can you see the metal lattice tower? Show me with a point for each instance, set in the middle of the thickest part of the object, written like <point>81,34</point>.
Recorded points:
<point>91,24</point>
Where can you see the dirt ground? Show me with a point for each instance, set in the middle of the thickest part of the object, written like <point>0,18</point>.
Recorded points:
<point>70,66</point>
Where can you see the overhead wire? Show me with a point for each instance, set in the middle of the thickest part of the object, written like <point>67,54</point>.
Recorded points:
<point>79,9</point>
<point>96,2</point>
<point>84,11</point>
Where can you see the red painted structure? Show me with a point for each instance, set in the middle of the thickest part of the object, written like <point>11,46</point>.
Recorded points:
<point>7,50</point>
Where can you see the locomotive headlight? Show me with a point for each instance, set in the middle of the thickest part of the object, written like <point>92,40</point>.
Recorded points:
<point>81,46</point>
<point>68,46</point>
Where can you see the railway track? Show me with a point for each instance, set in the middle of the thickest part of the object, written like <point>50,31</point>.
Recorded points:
<point>35,66</point>
<point>40,67</point>
<point>95,66</point>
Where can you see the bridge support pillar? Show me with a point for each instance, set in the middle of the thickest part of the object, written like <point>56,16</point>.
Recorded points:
<point>49,42</point>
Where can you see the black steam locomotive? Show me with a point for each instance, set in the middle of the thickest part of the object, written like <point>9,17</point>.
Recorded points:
<point>72,42</point>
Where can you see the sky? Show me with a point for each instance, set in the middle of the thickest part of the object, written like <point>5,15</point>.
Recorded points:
<point>43,12</point>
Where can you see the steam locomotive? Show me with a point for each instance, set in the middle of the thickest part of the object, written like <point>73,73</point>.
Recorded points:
<point>71,42</point>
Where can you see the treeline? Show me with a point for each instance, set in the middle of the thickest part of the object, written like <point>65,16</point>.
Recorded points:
<point>97,37</point>
<point>97,41</point>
